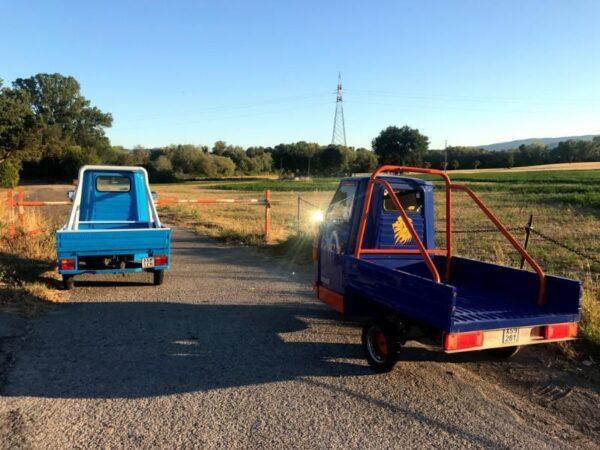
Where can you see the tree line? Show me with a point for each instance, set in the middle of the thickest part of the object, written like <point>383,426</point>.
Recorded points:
<point>48,130</point>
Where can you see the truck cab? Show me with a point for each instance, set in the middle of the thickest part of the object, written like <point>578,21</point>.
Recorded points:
<point>376,256</point>
<point>113,226</point>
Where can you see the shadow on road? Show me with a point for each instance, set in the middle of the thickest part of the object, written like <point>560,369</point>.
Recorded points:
<point>141,349</point>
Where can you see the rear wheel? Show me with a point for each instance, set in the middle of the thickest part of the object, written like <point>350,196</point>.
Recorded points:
<point>504,352</point>
<point>68,282</point>
<point>159,277</point>
<point>380,344</point>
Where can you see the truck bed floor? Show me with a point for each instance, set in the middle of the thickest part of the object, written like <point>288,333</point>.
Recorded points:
<point>477,309</point>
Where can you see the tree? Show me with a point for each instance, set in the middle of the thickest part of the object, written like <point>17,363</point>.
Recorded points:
<point>161,169</point>
<point>224,166</point>
<point>364,161</point>
<point>62,115</point>
<point>476,164</point>
<point>74,157</point>
<point>510,160</point>
<point>455,164</point>
<point>400,146</point>
<point>185,159</point>
<point>18,128</point>
<point>9,174</point>
<point>332,159</point>
<point>219,147</point>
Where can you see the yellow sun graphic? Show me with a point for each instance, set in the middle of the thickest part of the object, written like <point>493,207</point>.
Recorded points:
<point>401,232</point>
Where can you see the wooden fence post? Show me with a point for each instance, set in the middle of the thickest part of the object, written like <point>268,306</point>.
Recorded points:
<point>21,209</point>
<point>267,214</point>
<point>10,203</point>
<point>528,228</point>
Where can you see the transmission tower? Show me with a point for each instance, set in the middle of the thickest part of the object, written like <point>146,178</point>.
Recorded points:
<point>339,127</point>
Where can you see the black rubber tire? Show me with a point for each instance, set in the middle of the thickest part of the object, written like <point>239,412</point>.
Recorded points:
<point>380,362</point>
<point>504,352</point>
<point>159,277</point>
<point>68,282</point>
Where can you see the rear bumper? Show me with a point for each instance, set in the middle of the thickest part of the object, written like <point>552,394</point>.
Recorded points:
<point>508,337</point>
<point>137,258</point>
<point>111,271</point>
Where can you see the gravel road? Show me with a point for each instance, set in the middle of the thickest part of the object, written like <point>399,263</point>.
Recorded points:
<point>233,351</point>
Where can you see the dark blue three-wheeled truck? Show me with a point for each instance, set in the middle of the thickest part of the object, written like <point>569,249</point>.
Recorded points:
<point>376,257</point>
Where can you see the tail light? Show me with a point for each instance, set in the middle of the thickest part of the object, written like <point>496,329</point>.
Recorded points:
<point>161,260</point>
<point>460,341</point>
<point>560,330</point>
<point>67,264</point>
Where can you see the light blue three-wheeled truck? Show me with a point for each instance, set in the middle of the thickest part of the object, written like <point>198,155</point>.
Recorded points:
<point>113,226</point>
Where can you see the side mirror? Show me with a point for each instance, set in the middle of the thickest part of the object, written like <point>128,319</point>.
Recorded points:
<point>154,196</point>
<point>71,195</point>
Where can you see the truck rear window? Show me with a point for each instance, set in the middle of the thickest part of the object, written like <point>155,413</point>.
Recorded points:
<point>113,184</point>
<point>411,201</point>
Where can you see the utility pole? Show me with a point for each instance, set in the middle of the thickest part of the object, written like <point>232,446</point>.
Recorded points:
<point>338,136</point>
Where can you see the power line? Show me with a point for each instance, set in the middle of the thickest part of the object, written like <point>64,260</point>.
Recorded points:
<point>212,109</point>
<point>223,118</point>
<point>466,98</point>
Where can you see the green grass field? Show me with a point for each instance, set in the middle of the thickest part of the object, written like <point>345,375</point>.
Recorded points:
<point>576,188</point>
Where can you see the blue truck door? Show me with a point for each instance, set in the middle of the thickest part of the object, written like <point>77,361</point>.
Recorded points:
<point>335,232</point>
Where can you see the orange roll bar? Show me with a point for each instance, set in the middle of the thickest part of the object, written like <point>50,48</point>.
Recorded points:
<point>434,272</point>
<point>367,205</point>
<point>448,251</point>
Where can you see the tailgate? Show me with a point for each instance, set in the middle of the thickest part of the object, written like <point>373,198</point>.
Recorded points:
<point>94,242</point>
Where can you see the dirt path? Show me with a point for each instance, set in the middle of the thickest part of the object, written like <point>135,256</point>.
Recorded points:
<point>233,351</point>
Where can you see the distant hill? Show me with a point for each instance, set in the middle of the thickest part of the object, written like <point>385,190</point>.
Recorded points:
<point>550,142</point>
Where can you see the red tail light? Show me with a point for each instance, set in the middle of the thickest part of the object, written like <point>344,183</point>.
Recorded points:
<point>459,341</point>
<point>67,264</point>
<point>560,330</point>
<point>161,260</point>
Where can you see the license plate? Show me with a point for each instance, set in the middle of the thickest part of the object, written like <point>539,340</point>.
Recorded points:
<point>510,335</point>
<point>147,263</point>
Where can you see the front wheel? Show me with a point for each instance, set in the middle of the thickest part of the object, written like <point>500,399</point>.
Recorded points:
<point>159,277</point>
<point>380,344</point>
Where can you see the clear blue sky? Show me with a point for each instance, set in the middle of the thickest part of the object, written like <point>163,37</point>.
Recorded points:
<point>264,72</point>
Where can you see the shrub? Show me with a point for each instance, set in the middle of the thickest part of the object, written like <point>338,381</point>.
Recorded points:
<point>9,174</point>
<point>224,165</point>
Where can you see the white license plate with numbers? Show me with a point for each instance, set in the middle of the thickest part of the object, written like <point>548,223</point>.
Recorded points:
<point>510,335</point>
<point>147,263</point>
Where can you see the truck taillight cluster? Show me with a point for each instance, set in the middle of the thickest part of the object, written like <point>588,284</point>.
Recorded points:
<point>560,330</point>
<point>161,260</point>
<point>459,341</point>
<point>67,264</point>
<point>475,339</point>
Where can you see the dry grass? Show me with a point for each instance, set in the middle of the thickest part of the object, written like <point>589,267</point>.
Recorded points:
<point>28,278</point>
<point>241,223</point>
<point>557,166</point>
